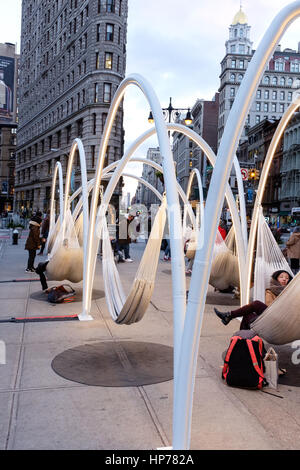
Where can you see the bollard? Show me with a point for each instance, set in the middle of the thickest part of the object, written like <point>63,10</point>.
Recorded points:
<point>15,237</point>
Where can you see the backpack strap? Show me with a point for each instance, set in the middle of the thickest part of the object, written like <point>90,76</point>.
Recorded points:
<point>259,369</point>
<point>233,342</point>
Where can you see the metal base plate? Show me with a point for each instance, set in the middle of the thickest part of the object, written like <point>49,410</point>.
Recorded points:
<point>116,364</point>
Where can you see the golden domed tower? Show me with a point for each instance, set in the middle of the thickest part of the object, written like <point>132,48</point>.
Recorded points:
<point>239,35</point>
<point>240,18</point>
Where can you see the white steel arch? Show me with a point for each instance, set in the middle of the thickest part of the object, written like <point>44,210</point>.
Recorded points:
<point>201,269</point>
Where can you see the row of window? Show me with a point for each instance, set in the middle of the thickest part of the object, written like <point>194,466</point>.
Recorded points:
<point>273,107</point>
<point>240,49</point>
<point>274,94</point>
<point>101,93</point>
<point>55,140</point>
<point>267,80</point>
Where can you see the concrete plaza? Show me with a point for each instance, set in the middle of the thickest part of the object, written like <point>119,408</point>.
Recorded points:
<point>40,409</point>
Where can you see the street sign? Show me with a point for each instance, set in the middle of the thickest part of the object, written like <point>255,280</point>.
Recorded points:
<point>244,172</point>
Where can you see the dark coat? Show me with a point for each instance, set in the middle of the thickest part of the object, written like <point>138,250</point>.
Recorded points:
<point>123,231</point>
<point>33,241</point>
<point>45,227</point>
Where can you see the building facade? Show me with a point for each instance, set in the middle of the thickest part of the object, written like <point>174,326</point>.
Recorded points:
<point>143,194</point>
<point>73,58</point>
<point>276,89</point>
<point>251,155</point>
<point>188,155</point>
<point>9,68</point>
<point>289,194</point>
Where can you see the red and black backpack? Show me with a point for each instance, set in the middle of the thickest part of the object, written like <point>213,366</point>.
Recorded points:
<point>243,364</point>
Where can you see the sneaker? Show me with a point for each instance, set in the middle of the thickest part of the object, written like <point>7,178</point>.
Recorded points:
<point>27,270</point>
<point>129,260</point>
<point>166,258</point>
<point>224,316</point>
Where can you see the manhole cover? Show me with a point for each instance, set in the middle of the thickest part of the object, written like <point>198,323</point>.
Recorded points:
<point>116,364</point>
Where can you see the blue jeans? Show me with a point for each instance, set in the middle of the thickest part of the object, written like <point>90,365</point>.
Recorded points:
<point>125,248</point>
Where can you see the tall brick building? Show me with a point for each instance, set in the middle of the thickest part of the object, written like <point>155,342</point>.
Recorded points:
<point>73,57</point>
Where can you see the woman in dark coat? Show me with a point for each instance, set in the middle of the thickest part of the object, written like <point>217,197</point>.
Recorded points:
<point>33,242</point>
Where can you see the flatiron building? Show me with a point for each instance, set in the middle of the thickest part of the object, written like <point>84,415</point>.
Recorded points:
<point>73,57</point>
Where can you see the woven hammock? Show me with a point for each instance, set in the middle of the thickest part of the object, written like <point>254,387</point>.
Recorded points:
<point>225,267</point>
<point>132,309</point>
<point>66,257</point>
<point>280,322</point>
<point>269,258</point>
<point>53,232</point>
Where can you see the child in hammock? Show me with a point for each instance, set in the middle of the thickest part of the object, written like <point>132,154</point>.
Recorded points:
<point>251,311</point>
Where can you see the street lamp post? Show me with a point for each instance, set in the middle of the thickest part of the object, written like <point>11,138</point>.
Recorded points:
<point>171,114</point>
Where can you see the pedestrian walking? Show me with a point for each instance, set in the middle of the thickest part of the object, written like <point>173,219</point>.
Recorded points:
<point>33,241</point>
<point>293,249</point>
<point>123,237</point>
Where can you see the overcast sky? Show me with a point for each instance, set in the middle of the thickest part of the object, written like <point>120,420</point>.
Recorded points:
<point>177,45</point>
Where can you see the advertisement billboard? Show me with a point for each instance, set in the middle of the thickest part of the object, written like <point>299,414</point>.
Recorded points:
<point>7,80</point>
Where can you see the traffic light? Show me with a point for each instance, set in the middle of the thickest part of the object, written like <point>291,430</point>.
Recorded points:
<point>251,174</point>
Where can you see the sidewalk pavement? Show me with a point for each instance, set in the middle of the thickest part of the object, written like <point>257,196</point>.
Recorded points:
<point>40,409</point>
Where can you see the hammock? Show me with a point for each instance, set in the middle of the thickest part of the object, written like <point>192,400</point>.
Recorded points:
<point>66,257</point>
<point>225,268</point>
<point>269,259</point>
<point>79,228</point>
<point>280,322</point>
<point>132,309</point>
<point>53,232</point>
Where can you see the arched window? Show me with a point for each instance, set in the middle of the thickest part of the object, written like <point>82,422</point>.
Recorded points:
<point>282,81</point>
<point>267,80</point>
<point>274,80</point>
<point>232,77</point>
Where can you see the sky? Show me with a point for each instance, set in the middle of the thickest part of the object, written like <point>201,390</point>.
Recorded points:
<point>178,46</point>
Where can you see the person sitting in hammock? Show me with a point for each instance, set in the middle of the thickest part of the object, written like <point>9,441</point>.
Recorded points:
<point>250,312</point>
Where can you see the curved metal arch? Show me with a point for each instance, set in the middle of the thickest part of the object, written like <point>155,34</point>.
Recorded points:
<point>113,165</point>
<point>57,171</point>
<point>288,114</point>
<point>195,172</point>
<point>77,145</point>
<point>174,215</point>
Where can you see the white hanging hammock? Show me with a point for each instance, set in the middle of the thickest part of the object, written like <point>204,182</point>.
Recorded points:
<point>66,257</point>
<point>280,322</point>
<point>269,258</point>
<point>53,232</point>
<point>225,268</point>
<point>132,309</point>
